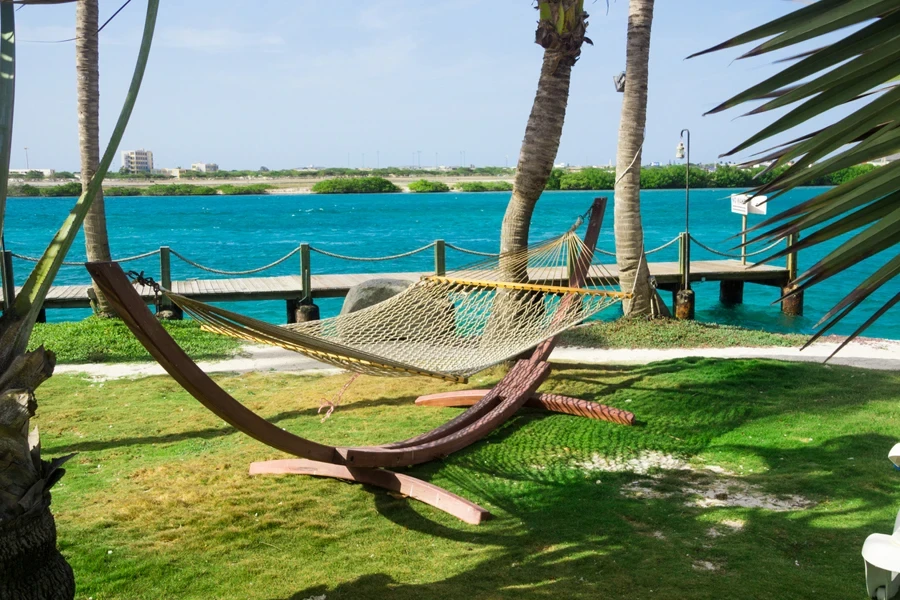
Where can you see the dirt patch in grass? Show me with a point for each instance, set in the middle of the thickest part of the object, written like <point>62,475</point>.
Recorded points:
<point>704,487</point>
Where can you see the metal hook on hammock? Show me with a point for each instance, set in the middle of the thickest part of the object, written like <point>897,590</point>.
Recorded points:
<point>138,278</point>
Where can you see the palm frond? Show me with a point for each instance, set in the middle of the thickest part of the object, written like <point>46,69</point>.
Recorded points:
<point>862,67</point>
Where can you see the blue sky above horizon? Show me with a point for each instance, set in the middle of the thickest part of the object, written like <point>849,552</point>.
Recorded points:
<point>291,84</point>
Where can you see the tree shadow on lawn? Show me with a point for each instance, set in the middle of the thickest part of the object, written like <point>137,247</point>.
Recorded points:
<point>219,432</point>
<point>564,535</point>
<point>584,540</point>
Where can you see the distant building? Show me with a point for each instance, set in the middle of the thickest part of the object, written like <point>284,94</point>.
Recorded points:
<point>137,161</point>
<point>205,167</point>
<point>44,172</point>
<point>177,172</point>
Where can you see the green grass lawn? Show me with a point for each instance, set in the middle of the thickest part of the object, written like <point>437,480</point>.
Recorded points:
<point>669,333</point>
<point>158,503</point>
<point>96,340</point>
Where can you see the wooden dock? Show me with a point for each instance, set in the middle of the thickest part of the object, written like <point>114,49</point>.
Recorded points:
<point>290,287</point>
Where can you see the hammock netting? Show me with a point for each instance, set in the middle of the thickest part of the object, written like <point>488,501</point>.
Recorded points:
<point>449,326</point>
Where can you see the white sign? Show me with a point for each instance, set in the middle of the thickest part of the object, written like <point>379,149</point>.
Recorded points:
<point>745,204</point>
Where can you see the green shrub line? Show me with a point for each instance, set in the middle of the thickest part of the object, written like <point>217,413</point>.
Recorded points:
<point>174,189</point>
<point>355,185</point>
<point>424,186</point>
<point>673,177</point>
<point>484,186</point>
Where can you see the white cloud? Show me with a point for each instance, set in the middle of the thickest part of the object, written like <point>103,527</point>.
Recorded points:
<point>219,40</point>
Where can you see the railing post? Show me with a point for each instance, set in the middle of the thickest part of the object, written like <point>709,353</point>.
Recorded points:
<point>792,239</point>
<point>440,258</point>
<point>684,297</point>
<point>305,273</point>
<point>167,309</point>
<point>9,282</point>
<point>744,240</point>
<point>684,260</point>
<point>303,310</point>
<point>165,267</point>
<point>571,262</point>
<point>792,305</point>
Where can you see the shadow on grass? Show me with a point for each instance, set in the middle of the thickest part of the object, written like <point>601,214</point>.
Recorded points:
<point>584,540</point>
<point>219,432</point>
<point>565,533</point>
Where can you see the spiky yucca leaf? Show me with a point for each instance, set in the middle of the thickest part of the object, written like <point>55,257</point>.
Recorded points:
<point>862,66</point>
<point>29,301</point>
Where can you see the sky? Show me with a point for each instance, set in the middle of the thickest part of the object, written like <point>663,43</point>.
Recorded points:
<point>293,83</point>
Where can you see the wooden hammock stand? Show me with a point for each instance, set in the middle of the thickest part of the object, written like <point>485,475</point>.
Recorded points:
<point>488,409</point>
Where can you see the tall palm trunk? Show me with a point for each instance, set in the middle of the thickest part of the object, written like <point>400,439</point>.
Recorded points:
<point>87,66</point>
<point>632,262</point>
<point>560,32</point>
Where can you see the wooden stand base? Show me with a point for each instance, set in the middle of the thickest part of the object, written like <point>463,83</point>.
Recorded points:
<point>396,482</point>
<point>549,402</point>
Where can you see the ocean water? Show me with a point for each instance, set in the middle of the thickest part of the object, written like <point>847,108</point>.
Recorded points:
<point>242,232</point>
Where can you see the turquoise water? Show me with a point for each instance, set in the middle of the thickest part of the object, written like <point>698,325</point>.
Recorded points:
<point>235,233</point>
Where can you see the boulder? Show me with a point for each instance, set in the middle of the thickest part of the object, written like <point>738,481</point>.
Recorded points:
<point>372,292</point>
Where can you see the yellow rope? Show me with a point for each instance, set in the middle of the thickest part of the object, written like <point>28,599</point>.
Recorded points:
<point>528,287</point>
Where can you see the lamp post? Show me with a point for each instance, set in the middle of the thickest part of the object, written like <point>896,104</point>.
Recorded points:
<point>684,298</point>
<point>682,151</point>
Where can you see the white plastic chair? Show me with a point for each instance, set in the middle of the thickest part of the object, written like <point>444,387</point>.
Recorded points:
<point>882,555</point>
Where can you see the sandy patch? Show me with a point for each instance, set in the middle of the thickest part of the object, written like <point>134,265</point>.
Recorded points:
<point>703,487</point>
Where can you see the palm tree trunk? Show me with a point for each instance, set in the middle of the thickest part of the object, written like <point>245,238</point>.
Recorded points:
<point>634,273</point>
<point>31,566</point>
<point>538,152</point>
<point>548,113</point>
<point>87,66</point>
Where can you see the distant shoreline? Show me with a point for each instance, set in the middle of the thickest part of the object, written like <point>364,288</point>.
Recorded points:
<point>283,187</point>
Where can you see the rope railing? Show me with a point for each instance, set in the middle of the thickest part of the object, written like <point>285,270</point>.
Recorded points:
<point>371,258</point>
<point>247,272</point>
<point>472,252</point>
<point>647,253</point>
<point>738,256</point>
<point>335,255</point>
<point>81,263</point>
<point>663,247</point>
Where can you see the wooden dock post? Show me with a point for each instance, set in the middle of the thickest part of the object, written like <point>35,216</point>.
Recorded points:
<point>731,292</point>
<point>302,310</point>
<point>440,258</point>
<point>793,305</point>
<point>167,309</point>
<point>684,296</point>
<point>9,282</point>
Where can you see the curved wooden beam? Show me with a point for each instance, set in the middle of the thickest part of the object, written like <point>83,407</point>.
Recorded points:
<point>521,381</point>
<point>414,488</point>
<point>550,402</point>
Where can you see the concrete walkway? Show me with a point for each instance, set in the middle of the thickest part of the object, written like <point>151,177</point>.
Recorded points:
<point>866,354</point>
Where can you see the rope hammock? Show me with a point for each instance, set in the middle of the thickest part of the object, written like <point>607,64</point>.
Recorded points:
<point>448,327</point>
